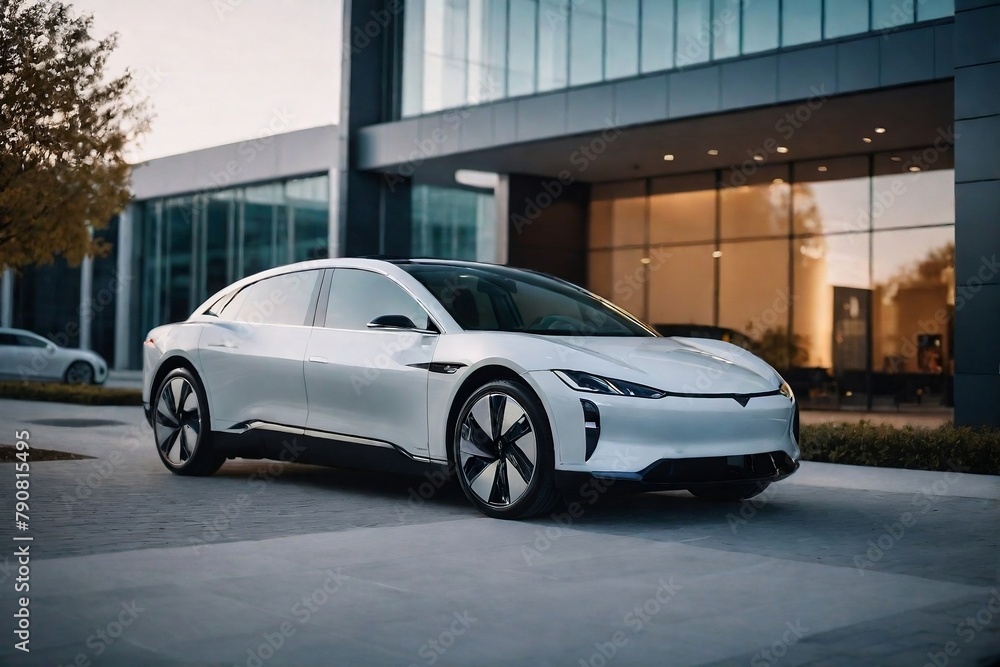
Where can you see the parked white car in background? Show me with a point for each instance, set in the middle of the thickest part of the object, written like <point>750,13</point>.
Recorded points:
<point>521,383</point>
<point>27,356</point>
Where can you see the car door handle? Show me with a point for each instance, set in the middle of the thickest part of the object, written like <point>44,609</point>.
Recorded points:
<point>226,344</point>
<point>319,360</point>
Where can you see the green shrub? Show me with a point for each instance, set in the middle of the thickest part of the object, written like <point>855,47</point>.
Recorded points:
<point>944,448</point>
<point>70,393</point>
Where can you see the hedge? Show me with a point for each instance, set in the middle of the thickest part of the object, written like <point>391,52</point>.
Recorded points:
<point>947,447</point>
<point>70,393</point>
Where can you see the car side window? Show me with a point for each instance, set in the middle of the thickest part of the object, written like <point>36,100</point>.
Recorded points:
<point>8,339</point>
<point>357,297</point>
<point>283,299</point>
<point>232,309</point>
<point>31,341</point>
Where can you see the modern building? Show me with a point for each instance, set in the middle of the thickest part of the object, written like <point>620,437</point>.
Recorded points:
<point>818,176</point>
<point>198,221</point>
<point>813,179</point>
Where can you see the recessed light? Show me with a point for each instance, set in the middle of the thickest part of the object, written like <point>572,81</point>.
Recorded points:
<point>879,130</point>
<point>717,254</point>
<point>758,157</point>
<point>867,140</point>
<point>914,168</point>
<point>713,151</point>
<point>778,181</point>
<point>644,260</point>
<point>896,158</point>
<point>668,157</point>
<point>782,149</point>
<point>821,168</point>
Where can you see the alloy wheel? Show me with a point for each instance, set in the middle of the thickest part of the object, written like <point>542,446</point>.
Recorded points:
<point>498,449</point>
<point>178,421</point>
<point>80,372</point>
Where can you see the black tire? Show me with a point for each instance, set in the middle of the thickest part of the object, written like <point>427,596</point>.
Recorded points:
<point>729,493</point>
<point>79,372</point>
<point>182,426</point>
<point>485,455</point>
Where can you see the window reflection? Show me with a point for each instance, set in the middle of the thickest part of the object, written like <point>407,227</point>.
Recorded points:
<point>680,217</point>
<point>682,285</point>
<point>622,38</point>
<point>754,210</point>
<point>891,13</point>
<point>845,17</point>
<point>657,35</point>
<point>586,42</point>
<point>753,295</point>
<point>694,31</point>
<point>553,45</point>
<point>801,22</point>
<point>911,199</point>
<point>453,223</point>
<point>760,26</point>
<point>521,59</point>
<point>725,28</point>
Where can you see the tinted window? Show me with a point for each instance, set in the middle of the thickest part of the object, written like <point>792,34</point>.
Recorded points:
<point>502,299</point>
<point>7,339</point>
<point>357,297</point>
<point>283,299</point>
<point>31,341</point>
<point>232,309</point>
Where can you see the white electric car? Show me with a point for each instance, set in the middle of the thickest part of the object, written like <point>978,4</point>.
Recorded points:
<point>27,356</point>
<point>522,384</point>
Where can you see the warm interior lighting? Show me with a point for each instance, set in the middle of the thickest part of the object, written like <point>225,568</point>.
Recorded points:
<point>717,254</point>
<point>668,157</point>
<point>867,140</point>
<point>896,158</point>
<point>879,130</point>
<point>914,168</point>
<point>644,260</point>
<point>713,151</point>
<point>821,168</point>
<point>778,181</point>
<point>758,157</point>
<point>782,149</point>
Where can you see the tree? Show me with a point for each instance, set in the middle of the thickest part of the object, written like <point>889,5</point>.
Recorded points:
<point>63,133</point>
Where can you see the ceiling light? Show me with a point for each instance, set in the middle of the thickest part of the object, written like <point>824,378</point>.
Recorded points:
<point>896,158</point>
<point>879,130</point>
<point>821,168</point>
<point>713,151</point>
<point>914,168</point>
<point>758,157</point>
<point>867,140</point>
<point>782,149</point>
<point>644,260</point>
<point>669,157</point>
<point>778,181</point>
<point>477,179</point>
<point>717,254</point>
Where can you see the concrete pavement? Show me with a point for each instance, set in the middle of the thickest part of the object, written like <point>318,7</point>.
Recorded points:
<point>273,564</point>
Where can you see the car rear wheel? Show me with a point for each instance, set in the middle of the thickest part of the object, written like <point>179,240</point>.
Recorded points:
<point>181,426</point>
<point>729,493</point>
<point>502,449</point>
<point>79,372</point>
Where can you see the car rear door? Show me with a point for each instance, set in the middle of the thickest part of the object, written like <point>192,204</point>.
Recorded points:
<point>252,352</point>
<point>369,382</point>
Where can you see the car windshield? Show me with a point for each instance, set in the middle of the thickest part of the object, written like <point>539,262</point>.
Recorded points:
<point>496,298</point>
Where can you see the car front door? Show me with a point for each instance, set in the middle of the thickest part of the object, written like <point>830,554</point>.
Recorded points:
<point>366,381</point>
<point>253,349</point>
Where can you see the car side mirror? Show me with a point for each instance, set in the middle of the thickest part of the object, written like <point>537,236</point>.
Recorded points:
<point>392,322</point>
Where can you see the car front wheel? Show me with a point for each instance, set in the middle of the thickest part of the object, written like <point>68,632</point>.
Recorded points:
<point>79,372</point>
<point>181,426</point>
<point>502,449</point>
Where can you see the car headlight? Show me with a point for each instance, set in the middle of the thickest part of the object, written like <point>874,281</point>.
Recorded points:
<point>786,391</point>
<point>595,384</point>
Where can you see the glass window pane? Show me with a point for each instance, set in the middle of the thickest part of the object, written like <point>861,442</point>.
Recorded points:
<point>760,26</point>
<point>622,38</point>
<point>890,13</point>
<point>260,209</point>
<point>220,214</point>
<point>682,285</point>
<point>831,206</point>
<point>553,45</point>
<point>913,308</point>
<point>754,210</point>
<point>935,9</point>
<point>619,276</point>
<point>586,42</point>
<point>309,202</point>
<point>657,35</point>
<point>283,299</point>
<point>846,17</point>
<point>178,258</point>
<point>487,67</point>
<point>521,53</point>
<point>726,28</point>
<point>413,58</point>
<point>801,22</point>
<point>628,221</point>
<point>694,31</point>
<point>445,55</point>
<point>681,217</point>
<point>357,297</point>
<point>453,223</point>
<point>911,199</point>
<point>832,301</point>
<point>756,307</point>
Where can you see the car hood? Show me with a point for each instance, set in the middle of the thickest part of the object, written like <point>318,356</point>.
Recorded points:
<point>679,365</point>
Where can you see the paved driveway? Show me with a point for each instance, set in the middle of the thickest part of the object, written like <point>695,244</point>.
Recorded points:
<point>272,564</point>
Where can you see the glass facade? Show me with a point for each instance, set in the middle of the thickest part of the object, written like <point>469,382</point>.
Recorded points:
<point>189,247</point>
<point>839,272</point>
<point>454,223</point>
<point>463,52</point>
